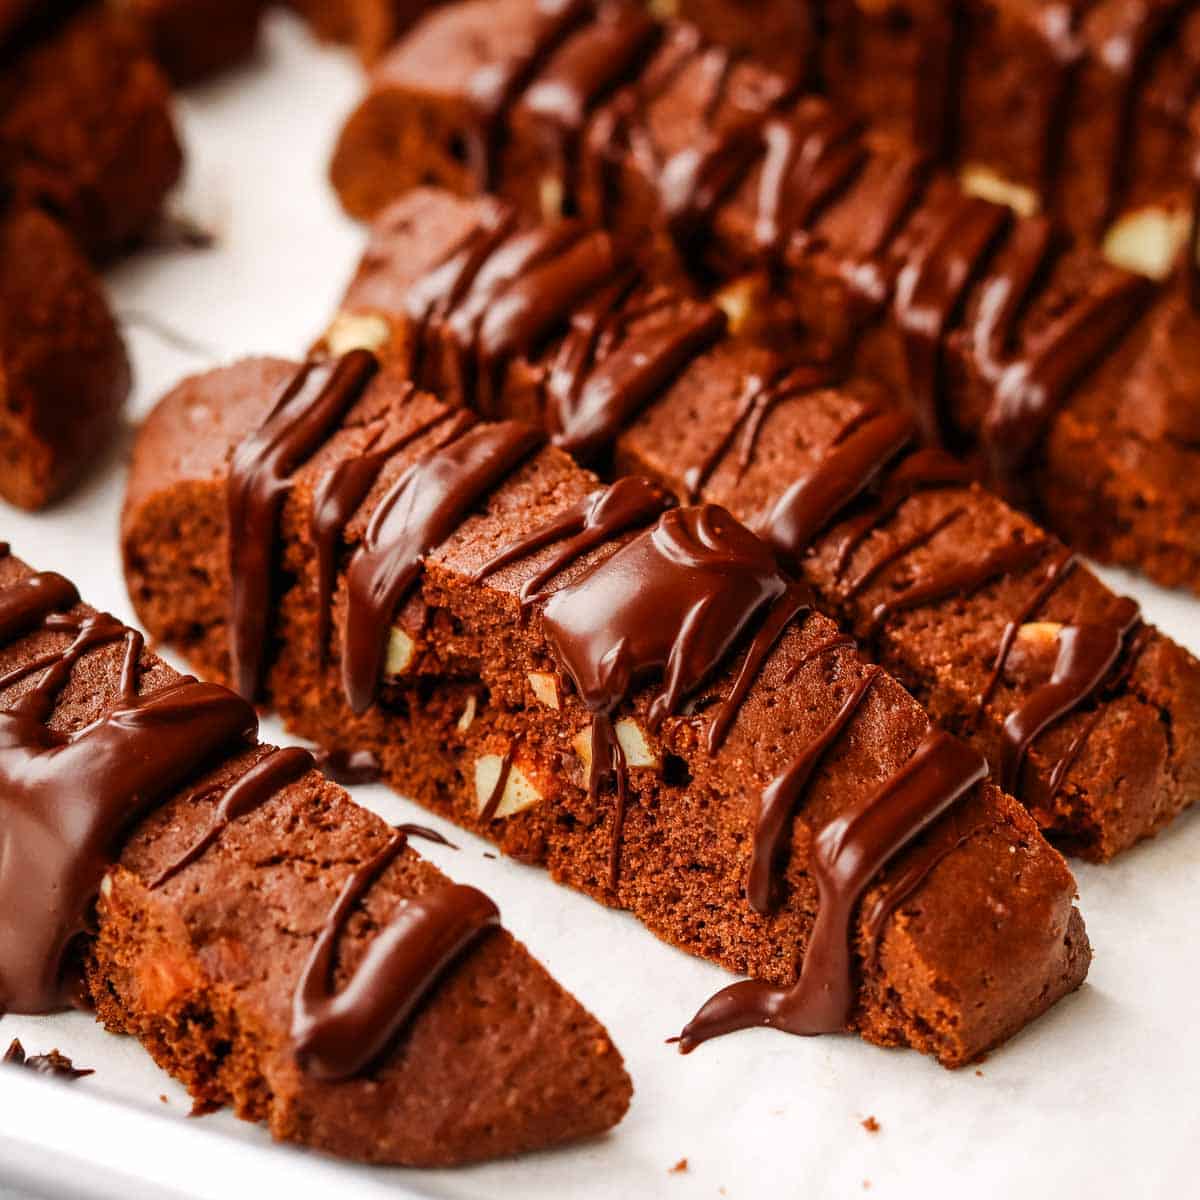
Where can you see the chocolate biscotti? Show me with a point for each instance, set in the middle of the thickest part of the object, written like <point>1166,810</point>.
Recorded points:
<point>86,128</point>
<point>64,374</point>
<point>631,694</point>
<point>273,945</point>
<point>970,604</point>
<point>195,39</point>
<point>1084,109</point>
<point>1010,343</point>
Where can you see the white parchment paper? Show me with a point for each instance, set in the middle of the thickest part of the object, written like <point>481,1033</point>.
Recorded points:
<point>1098,1099</point>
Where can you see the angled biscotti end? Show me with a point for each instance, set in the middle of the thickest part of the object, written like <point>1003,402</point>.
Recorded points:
<point>987,939</point>
<point>64,374</point>
<point>274,946</point>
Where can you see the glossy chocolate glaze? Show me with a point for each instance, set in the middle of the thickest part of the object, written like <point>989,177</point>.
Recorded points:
<point>337,1035</point>
<point>68,797</point>
<point>846,855</point>
<point>421,509</point>
<point>310,408</point>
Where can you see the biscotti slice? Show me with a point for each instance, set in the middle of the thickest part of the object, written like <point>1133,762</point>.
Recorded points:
<point>723,420</point>
<point>369,26</point>
<point>1081,111</point>
<point>1034,356</point>
<point>87,131</point>
<point>64,374</point>
<point>630,694</point>
<point>938,570</point>
<point>274,946</point>
<point>194,39</point>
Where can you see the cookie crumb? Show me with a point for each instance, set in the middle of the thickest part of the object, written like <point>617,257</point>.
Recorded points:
<point>870,1125</point>
<point>679,1167</point>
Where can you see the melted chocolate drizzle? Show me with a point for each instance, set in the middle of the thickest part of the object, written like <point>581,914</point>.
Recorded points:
<point>494,87</point>
<point>271,774</point>
<point>782,798</point>
<point>336,1036</point>
<point>591,521</point>
<point>674,600</point>
<point>846,854</point>
<point>68,797</point>
<point>350,768</point>
<point>260,472</point>
<point>57,1065</point>
<point>421,509</point>
<point>1086,654</point>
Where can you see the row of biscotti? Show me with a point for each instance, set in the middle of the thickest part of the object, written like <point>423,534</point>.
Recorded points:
<point>1089,716</point>
<point>631,694</point>
<point>1086,106</point>
<point>1067,378</point>
<point>273,945</point>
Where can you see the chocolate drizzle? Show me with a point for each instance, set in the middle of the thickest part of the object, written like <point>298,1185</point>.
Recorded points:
<point>1034,385</point>
<point>336,1036</point>
<point>338,497</point>
<point>260,472</point>
<point>421,509</point>
<point>782,798</point>
<point>68,797</point>
<point>591,521</point>
<point>496,85</point>
<point>607,369</point>
<point>674,601</point>
<point>273,772</point>
<point>812,502</point>
<point>846,854</point>
<point>1087,652</point>
<point>930,291</point>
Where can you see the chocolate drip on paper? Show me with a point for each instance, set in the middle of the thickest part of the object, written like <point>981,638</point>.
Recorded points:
<point>54,1064</point>
<point>68,798</point>
<point>337,1036</point>
<point>420,510</point>
<point>495,86</point>
<point>1087,652</point>
<point>350,768</point>
<point>846,855</point>
<point>311,407</point>
<point>782,799</point>
<point>591,521</point>
<point>271,774</point>
<point>674,601</point>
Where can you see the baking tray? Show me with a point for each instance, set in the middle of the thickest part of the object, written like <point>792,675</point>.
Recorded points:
<point>1097,1099</point>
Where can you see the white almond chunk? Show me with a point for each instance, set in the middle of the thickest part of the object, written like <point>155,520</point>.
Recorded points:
<point>468,715</point>
<point>401,650</point>
<point>356,331</point>
<point>1148,241</point>
<point>737,301</point>
<point>633,742</point>
<point>545,688</point>
<point>519,791</point>
<point>550,198</point>
<point>106,885</point>
<point>980,181</point>
<point>1039,633</point>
